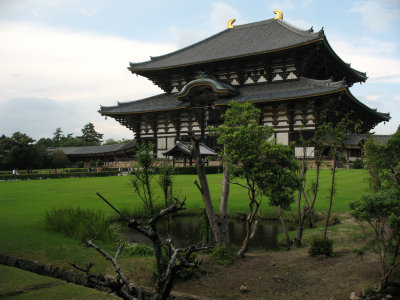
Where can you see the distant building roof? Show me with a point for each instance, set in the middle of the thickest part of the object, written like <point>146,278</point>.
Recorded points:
<point>91,150</point>
<point>185,148</point>
<point>354,139</point>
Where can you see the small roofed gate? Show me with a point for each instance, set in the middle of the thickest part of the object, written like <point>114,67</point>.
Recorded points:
<point>183,151</point>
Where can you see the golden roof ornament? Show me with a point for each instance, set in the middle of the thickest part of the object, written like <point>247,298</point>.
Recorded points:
<point>279,14</point>
<point>230,23</point>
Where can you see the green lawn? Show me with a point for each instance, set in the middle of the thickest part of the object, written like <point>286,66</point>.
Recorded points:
<point>19,284</point>
<point>24,203</point>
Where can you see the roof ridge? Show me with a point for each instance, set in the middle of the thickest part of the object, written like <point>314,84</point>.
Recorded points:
<point>121,104</point>
<point>324,82</point>
<point>293,28</point>
<point>307,32</point>
<point>155,58</point>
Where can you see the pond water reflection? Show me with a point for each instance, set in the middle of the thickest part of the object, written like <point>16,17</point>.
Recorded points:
<point>186,230</point>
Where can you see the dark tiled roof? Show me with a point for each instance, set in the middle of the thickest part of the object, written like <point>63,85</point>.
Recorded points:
<point>354,138</point>
<point>154,103</point>
<point>242,40</point>
<point>88,150</point>
<point>293,89</point>
<point>185,148</point>
<point>303,87</point>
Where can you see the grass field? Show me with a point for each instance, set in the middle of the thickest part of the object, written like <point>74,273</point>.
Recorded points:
<point>23,205</point>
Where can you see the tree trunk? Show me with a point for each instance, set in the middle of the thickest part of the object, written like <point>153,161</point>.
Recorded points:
<point>221,237</point>
<point>331,192</point>
<point>250,218</point>
<point>223,206</point>
<point>285,230</point>
<point>246,240</point>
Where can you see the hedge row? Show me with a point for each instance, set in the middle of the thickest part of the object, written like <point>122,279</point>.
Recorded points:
<point>189,170</point>
<point>57,175</point>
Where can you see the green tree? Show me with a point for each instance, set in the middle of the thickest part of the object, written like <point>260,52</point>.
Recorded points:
<point>256,164</point>
<point>59,159</point>
<point>142,175</point>
<point>57,136</point>
<point>90,135</point>
<point>381,209</point>
<point>19,151</point>
<point>45,142</point>
<point>332,136</point>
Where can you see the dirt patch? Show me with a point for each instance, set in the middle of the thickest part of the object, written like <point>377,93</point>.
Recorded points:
<point>285,275</point>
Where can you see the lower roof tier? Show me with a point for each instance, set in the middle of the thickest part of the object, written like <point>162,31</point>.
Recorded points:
<point>262,93</point>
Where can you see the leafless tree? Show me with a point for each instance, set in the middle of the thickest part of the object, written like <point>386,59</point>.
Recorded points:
<point>178,259</point>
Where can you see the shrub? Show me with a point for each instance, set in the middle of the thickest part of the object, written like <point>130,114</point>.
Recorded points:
<point>358,164</point>
<point>223,256</point>
<point>80,164</point>
<point>137,249</point>
<point>92,163</point>
<point>80,223</point>
<point>57,175</point>
<point>321,246</point>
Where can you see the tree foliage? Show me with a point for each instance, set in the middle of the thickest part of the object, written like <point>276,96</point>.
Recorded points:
<point>142,174</point>
<point>59,159</point>
<point>381,209</point>
<point>256,162</point>
<point>90,135</point>
<point>19,151</point>
<point>332,136</point>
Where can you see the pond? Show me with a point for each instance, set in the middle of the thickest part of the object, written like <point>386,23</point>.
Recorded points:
<point>187,230</point>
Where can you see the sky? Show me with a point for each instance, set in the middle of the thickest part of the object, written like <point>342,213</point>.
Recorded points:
<point>61,59</point>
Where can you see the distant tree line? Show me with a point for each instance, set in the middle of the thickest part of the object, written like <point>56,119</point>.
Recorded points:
<point>19,151</point>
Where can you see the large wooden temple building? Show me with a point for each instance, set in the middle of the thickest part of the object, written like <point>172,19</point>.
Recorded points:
<point>292,75</point>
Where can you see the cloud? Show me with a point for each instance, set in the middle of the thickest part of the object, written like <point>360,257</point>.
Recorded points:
<point>378,15</point>
<point>217,22</point>
<point>81,68</point>
<point>376,58</point>
<point>39,117</point>
<point>221,14</point>
<point>284,5</point>
<point>373,97</point>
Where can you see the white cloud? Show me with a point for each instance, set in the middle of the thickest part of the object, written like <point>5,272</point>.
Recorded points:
<point>221,14</point>
<point>87,11</point>
<point>378,15</point>
<point>186,37</point>
<point>283,5</point>
<point>217,22</point>
<point>373,97</point>
<point>369,56</point>
<point>82,68</point>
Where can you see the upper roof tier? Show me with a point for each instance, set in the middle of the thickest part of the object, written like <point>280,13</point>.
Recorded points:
<point>242,40</point>
<point>264,37</point>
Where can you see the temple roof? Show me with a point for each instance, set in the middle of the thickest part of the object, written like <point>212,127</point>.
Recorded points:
<point>242,40</point>
<point>301,88</point>
<point>91,150</point>
<point>355,139</point>
<point>185,148</point>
